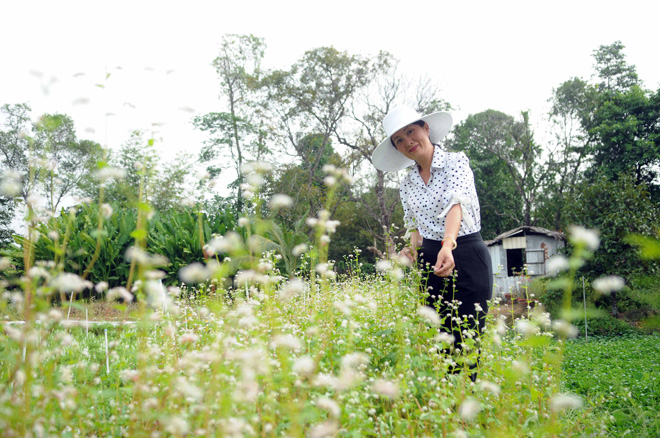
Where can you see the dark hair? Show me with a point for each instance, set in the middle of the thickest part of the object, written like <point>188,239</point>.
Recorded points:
<point>418,123</point>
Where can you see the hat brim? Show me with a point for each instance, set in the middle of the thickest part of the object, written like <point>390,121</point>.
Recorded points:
<point>388,159</point>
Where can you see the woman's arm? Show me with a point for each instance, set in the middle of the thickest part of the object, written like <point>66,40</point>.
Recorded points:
<point>445,263</point>
<point>415,243</point>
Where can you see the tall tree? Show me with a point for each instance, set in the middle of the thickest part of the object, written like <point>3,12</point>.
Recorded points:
<point>240,131</point>
<point>613,70</point>
<point>485,137</point>
<point>69,163</point>
<point>162,183</point>
<point>314,97</point>
<point>7,206</point>
<point>568,152</point>
<point>16,149</point>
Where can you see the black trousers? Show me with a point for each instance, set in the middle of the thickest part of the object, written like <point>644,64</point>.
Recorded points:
<point>472,283</point>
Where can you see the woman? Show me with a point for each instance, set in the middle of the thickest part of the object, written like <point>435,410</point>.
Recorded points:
<point>441,212</point>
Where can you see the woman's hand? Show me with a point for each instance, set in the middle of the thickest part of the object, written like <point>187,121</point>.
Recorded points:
<point>445,264</point>
<point>410,254</point>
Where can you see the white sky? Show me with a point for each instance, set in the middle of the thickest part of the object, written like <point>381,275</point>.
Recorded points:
<point>505,55</point>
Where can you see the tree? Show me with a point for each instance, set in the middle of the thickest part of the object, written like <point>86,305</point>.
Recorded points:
<point>617,209</point>
<point>505,161</point>
<point>568,155</point>
<point>626,129</point>
<point>240,130</point>
<point>70,163</point>
<point>162,183</point>
<point>613,70</point>
<point>313,98</point>
<point>15,145</point>
<point>6,214</point>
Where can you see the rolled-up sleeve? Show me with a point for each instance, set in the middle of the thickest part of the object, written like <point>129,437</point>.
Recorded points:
<point>409,221</point>
<point>461,190</point>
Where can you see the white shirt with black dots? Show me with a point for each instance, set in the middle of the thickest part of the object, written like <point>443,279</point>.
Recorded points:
<point>425,206</point>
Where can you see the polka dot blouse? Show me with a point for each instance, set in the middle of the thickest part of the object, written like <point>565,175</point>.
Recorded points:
<point>425,206</point>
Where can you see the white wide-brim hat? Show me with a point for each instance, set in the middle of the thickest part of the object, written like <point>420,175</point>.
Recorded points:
<point>386,157</point>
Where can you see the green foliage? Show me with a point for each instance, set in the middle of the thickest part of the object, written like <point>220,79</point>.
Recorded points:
<point>616,209</point>
<point>488,140</point>
<point>175,234</point>
<point>172,233</point>
<point>7,206</point>
<point>619,375</point>
<point>605,325</point>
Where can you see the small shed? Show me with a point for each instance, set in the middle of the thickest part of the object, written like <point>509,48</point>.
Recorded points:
<point>521,249</point>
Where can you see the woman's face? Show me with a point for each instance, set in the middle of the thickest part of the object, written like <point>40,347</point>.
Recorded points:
<point>413,141</point>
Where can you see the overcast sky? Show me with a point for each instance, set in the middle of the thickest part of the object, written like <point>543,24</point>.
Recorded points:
<point>504,55</point>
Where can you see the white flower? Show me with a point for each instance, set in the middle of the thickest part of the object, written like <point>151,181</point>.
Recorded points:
<point>565,328</point>
<point>194,273</point>
<point>445,338</point>
<point>490,387</point>
<point>304,366</point>
<point>556,264</point>
<point>110,172</point>
<point>584,236</point>
<point>565,401</point>
<point>327,429</point>
<point>68,282</point>
<point>119,292</point>
<point>176,425</point>
<point>526,328</point>
<point>243,222</point>
<point>101,287</point>
<point>10,185</point>
<point>329,180</point>
<point>280,201</point>
<point>429,315</point>
<point>383,265</point>
<point>520,367</point>
<point>106,210</point>
<point>469,409</point>
<point>286,341</point>
<point>299,249</point>
<point>608,284</point>
<point>293,287</point>
<point>329,405</point>
<point>386,388</point>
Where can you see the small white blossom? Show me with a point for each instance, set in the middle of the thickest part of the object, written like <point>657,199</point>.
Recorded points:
<point>607,285</point>
<point>386,388</point>
<point>556,264</point>
<point>565,401</point>
<point>106,210</point>
<point>110,172</point>
<point>469,409</point>
<point>299,249</point>
<point>194,273</point>
<point>581,235</point>
<point>304,366</point>
<point>429,315</point>
<point>329,405</point>
<point>279,201</point>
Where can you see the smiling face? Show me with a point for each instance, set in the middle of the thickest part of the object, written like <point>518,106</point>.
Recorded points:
<point>413,141</point>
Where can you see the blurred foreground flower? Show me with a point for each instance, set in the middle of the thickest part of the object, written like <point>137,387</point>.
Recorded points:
<point>581,235</point>
<point>609,284</point>
<point>566,401</point>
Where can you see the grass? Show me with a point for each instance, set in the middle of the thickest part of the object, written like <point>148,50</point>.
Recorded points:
<point>620,377</point>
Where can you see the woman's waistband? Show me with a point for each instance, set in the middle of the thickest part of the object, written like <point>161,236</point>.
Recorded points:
<point>466,239</point>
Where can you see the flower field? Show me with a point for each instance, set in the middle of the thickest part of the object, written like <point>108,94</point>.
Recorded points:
<point>353,358</point>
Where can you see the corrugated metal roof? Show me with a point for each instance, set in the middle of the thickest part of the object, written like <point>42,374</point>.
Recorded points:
<point>526,231</point>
